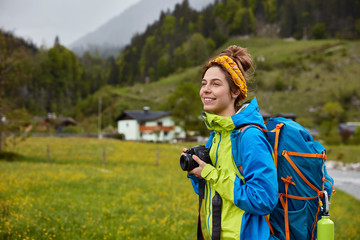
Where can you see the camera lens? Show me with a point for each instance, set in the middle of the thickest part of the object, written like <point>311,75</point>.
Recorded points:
<point>184,162</point>
<point>187,163</point>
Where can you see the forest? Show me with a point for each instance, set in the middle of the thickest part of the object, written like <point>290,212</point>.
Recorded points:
<point>37,81</point>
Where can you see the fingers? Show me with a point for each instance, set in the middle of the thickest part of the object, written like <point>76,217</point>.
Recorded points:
<point>198,160</point>
<point>196,172</point>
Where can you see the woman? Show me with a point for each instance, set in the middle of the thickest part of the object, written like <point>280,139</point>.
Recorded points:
<point>242,171</point>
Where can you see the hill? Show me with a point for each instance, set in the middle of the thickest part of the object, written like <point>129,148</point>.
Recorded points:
<point>185,38</point>
<point>300,77</point>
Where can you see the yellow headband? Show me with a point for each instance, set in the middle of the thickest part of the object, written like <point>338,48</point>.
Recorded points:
<point>236,75</point>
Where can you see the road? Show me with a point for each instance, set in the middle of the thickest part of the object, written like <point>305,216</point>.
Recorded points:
<point>346,177</point>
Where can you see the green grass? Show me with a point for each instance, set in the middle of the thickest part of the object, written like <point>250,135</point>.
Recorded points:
<point>344,212</point>
<point>343,153</point>
<point>74,195</point>
<point>156,93</point>
<point>276,49</point>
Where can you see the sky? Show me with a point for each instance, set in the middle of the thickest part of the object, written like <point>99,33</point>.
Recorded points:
<point>42,20</point>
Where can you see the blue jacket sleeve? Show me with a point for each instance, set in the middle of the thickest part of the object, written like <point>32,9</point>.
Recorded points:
<point>195,182</point>
<point>259,194</point>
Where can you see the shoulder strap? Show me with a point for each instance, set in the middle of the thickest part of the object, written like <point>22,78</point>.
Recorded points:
<point>242,130</point>
<point>200,235</point>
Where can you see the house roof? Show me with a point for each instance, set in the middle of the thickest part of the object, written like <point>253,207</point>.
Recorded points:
<point>349,126</point>
<point>265,114</point>
<point>286,115</point>
<point>61,121</point>
<point>142,116</point>
<point>66,121</point>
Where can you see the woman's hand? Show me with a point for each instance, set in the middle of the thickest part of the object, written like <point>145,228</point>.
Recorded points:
<point>197,171</point>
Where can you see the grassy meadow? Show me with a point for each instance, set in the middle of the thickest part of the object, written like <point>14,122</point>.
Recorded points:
<point>77,188</point>
<point>74,195</point>
<point>343,153</point>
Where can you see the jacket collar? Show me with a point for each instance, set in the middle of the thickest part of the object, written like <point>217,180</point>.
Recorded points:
<point>248,114</point>
<point>218,123</point>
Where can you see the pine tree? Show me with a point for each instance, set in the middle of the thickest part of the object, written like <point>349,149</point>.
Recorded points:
<point>13,56</point>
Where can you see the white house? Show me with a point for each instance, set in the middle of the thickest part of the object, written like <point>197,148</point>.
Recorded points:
<point>148,125</point>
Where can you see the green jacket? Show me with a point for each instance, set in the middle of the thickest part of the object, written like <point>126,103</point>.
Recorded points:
<point>242,172</point>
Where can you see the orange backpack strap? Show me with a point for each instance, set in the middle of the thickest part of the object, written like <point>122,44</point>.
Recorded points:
<point>277,135</point>
<point>268,222</point>
<point>286,155</point>
<point>242,129</point>
<point>240,169</point>
<point>287,181</point>
<point>276,144</point>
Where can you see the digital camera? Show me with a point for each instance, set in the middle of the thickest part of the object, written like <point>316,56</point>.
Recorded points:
<point>187,163</point>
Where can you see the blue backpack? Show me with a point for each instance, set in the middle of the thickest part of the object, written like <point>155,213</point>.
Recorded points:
<point>302,179</point>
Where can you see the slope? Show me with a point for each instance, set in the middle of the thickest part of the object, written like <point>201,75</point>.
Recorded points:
<point>291,76</point>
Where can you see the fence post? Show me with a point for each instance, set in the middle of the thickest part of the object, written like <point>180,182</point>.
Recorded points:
<point>48,152</point>
<point>157,157</point>
<point>104,156</point>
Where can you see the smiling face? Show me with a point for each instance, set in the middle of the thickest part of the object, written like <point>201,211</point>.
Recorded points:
<point>215,93</point>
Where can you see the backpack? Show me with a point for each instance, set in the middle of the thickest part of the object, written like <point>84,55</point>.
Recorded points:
<point>302,179</point>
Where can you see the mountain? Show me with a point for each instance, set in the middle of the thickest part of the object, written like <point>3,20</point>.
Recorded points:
<point>109,38</point>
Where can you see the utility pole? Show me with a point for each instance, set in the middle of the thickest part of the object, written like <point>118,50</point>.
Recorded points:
<point>99,120</point>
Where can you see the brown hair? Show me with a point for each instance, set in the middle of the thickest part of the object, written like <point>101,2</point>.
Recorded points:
<point>243,60</point>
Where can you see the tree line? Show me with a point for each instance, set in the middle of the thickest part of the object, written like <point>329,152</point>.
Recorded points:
<point>35,82</point>
<point>185,37</point>
<point>38,81</point>
<point>48,80</point>
<point>55,79</point>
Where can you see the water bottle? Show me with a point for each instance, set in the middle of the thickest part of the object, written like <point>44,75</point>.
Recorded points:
<point>325,227</point>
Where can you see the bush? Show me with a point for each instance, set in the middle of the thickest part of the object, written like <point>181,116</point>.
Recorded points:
<point>356,137</point>
<point>318,31</point>
<point>329,133</point>
<point>332,139</point>
<point>72,129</point>
<point>118,136</point>
<point>9,156</point>
<point>280,85</point>
<point>264,65</point>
